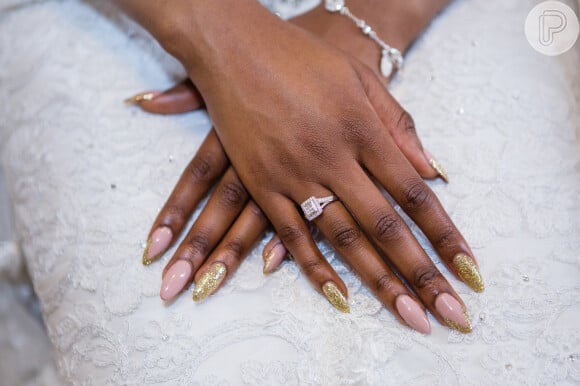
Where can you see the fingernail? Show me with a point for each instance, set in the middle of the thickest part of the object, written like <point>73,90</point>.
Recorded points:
<point>468,272</point>
<point>144,96</point>
<point>413,314</point>
<point>436,165</point>
<point>335,297</point>
<point>210,281</point>
<point>175,279</point>
<point>454,314</point>
<point>157,244</point>
<point>273,259</point>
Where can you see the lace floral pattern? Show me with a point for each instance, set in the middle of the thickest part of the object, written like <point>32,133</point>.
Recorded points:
<point>87,175</point>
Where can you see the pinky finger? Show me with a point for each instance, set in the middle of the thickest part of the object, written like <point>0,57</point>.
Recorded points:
<point>231,251</point>
<point>273,254</point>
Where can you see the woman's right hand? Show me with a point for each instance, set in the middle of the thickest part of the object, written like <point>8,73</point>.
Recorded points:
<point>319,126</point>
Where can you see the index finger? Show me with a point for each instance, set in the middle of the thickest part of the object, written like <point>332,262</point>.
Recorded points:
<point>199,176</point>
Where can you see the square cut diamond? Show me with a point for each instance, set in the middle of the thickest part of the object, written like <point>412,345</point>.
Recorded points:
<point>311,208</point>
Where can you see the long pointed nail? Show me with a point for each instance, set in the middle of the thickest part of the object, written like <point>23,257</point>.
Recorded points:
<point>335,297</point>
<point>273,259</point>
<point>436,165</point>
<point>210,281</point>
<point>157,244</point>
<point>175,279</point>
<point>413,314</point>
<point>454,314</point>
<point>144,96</point>
<point>468,272</point>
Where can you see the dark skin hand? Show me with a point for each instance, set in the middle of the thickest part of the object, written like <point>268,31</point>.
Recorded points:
<point>332,128</point>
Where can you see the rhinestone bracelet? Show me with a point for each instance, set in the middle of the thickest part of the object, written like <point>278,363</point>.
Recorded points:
<point>391,57</point>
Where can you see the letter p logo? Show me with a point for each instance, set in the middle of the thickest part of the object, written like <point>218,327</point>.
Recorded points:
<point>552,22</point>
<point>552,28</point>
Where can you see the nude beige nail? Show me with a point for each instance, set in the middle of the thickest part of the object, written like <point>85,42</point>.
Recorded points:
<point>274,257</point>
<point>157,244</point>
<point>413,314</point>
<point>175,279</point>
<point>436,165</point>
<point>454,314</point>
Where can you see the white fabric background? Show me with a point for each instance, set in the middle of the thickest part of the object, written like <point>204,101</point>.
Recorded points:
<point>86,176</point>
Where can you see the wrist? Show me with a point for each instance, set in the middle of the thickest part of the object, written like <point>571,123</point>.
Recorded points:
<point>398,22</point>
<point>205,35</point>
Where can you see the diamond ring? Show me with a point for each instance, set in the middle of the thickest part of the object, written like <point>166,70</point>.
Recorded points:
<point>313,206</point>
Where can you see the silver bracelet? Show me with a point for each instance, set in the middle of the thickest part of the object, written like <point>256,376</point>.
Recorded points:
<point>391,57</point>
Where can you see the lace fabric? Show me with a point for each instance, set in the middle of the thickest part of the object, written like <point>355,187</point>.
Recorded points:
<point>87,175</point>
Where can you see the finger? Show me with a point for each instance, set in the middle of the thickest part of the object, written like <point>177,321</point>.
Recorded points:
<point>181,98</point>
<point>227,257</point>
<point>424,208</point>
<point>273,254</point>
<point>391,234</point>
<point>200,175</point>
<point>222,209</point>
<point>294,233</point>
<point>344,233</point>
<point>401,126</point>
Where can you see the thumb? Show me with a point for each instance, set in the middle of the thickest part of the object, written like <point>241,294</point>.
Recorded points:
<point>401,126</point>
<point>181,98</point>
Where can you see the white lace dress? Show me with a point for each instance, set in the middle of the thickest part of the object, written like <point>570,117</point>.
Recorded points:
<point>86,176</point>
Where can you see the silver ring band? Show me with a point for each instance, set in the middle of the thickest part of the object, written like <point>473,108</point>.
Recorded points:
<point>313,206</point>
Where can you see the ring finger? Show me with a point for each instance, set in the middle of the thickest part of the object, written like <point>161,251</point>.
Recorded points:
<point>344,233</point>
<point>394,238</point>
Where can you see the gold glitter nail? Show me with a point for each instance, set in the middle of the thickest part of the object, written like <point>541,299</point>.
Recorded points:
<point>439,169</point>
<point>335,297</point>
<point>468,272</point>
<point>210,281</point>
<point>268,261</point>
<point>147,261</point>
<point>144,96</point>
<point>456,326</point>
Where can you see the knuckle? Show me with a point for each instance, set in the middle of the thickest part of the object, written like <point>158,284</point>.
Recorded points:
<point>318,148</point>
<point>346,236</point>
<point>256,211</point>
<point>426,276</point>
<point>197,244</point>
<point>175,212</point>
<point>232,194</point>
<point>445,238</point>
<point>405,123</point>
<point>417,196</point>
<point>384,282</point>
<point>291,233</point>
<point>353,130</point>
<point>201,167</point>
<point>312,266</point>
<point>235,247</point>
<point>388,227</point>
